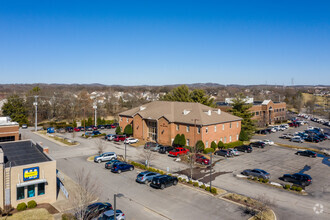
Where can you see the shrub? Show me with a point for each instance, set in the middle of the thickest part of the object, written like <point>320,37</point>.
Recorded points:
<point>68,216</point>
<point>176,141</point>
<point>200,146</point>
<point>184,180</point>
<point>299,189</point>
<point>261,179</point>
<point>265,180</point>
<point>233,144</point>
<point>118,130</point>
<point>243,136</point>
<point>255,178</point>
<point>202,186</point>
<point>182,140</point>
<point>195,184</point>
<point>190,182</point>
<point>287,186</point>
<point>21,206</point>
<point>128,130</point>
<point>207,189</point>
<point>208,150</point>
<point>214,191</point>
<point>293,188</point>
<point>221,145</point>
<point>31,204</point>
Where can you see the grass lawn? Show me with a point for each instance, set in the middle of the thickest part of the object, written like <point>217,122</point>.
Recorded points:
<point>319,100</point>
<point>32,214</point>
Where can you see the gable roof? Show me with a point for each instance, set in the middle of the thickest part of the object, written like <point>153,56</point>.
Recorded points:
<point>181,112</point>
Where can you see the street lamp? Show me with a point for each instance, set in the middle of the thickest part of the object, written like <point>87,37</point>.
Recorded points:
<point>35,103</point>
<point>95,108</point>
<point>125,151</point>
<point>114,203</point>
<point>210,171</point>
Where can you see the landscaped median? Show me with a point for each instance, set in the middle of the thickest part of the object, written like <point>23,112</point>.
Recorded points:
<point>57,139</point>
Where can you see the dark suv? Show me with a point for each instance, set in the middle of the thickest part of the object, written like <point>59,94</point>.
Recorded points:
<point>298,178</point>
<point>244,148</point>
<point>165,149</point>
<point>163,181</point>
<point>258,144</point>
<point>95,209</point>
<point>148,145</point>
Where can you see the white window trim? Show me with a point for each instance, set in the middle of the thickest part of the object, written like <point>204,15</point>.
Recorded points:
<point>177,127</point>
<point>215,128</point>
<point>206,130</point>
<point>223,127</point>
<point>188,128</point>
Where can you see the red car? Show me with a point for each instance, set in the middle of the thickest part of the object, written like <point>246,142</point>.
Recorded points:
<point>201,159</point>
<point>178,151</point>
<point>76,129</point>
<point>113,126</point>
<point>119,138</point>
<point>94,127</point>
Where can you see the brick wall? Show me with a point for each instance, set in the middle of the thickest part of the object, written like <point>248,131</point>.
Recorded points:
<point>6,131</point>
<point>124,120</point>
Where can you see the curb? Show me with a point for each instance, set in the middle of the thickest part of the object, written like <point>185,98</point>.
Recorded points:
<point>55,141</point>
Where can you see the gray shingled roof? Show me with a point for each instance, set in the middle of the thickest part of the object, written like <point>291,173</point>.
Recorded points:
<point>181,112</point>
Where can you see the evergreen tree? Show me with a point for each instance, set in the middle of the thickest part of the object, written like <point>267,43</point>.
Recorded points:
<point>176,141</point>
<point>200,146</point>
<point>214,145</point>
<point>15,109</point>
<point>128,130</point>
<point>241,109</point>
<point>198,95</point>
<point>182,140</point>
<point>221,145</point>
<point>118,130</point>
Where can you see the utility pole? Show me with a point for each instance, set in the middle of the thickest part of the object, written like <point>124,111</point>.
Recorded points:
<point>210,171</point>
<point>35,103</point>
<point>95,108</point>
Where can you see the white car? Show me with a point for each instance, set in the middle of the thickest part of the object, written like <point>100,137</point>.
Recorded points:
<point>130,140</point>
<point>268,142</point>
<point>234,151</point>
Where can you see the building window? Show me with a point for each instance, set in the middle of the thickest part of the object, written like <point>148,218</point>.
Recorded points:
<point>188,129</point>
<point>198,130</point>
<point>230,138</point>
<point>221,139</point>
<point>236,137</point>
<point>223,127</point>
<point>283,109</point>
<point>126,119</point>
<point>237,124</point>
<point>230,125</point>
<point>31,191</point>
<point>121,119</point>
<point>225,140</point>
<point>215,128</point>
<point>206,144</point>
<point>41,189</point>
<point>177,127</point>
<point>20,193</point>
<point>188,144</point>
<point>206,129</point>
<point>257,113</point>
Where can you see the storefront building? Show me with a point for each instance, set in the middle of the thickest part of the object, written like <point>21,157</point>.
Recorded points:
<point>27,173</point>
<point>9,131</point>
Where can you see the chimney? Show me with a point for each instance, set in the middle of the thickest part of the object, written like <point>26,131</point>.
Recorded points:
<point>219,112</point>
<point>142,108</point>
<point>45,150</point>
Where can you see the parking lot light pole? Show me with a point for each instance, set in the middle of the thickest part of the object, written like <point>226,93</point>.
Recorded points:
<point>210,171</point>
<point>125,151</point>
<point>95,108</point>
<point>114,203</point>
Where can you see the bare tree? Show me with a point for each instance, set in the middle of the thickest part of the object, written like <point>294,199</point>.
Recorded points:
<point>99,146</point>
<point>148,156</point>
<point>85,192</point>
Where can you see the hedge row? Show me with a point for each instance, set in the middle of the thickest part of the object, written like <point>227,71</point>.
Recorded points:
<point>195,184</point>
<point>294,188</point>
<point>22,206</point>
<point>143,167</point>
<point>259,179</point>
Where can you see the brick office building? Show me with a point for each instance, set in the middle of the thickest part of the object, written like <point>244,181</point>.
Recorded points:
<point>161,121</point>
<point>9,131</point>
<point>264,112</point>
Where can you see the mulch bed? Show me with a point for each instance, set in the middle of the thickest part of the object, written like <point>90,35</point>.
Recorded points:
<point>51,209</point>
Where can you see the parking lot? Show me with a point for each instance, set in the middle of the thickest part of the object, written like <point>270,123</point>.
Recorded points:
<point>275,137</point>
<point>278,161</point>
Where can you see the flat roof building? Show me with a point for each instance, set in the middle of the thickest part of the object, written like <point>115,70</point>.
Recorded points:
<point>9,131</point>
<point>27,173</point>
<point>161,121</point>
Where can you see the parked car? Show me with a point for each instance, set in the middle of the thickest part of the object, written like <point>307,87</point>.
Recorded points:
<point>234,151</point>
<point>69,129</point>
<point>258,144</point>
<point>244,148</point>
<point>130,140</point>
<point>24,126</point>
<point>257,173</point>
<point>263,131</point>
<point>298,178</point>
<point>101,127</point>
<point>76,129</point>
<point>312,139</point>
<point>163,181</point>
<point>225,153</point>
<point>268,142</point>
<point>202,159</point>
<point>96,133</point>
<point>297,139</point>
<point>286,136</point>
<point>95,209</point>
<point>147,145</point>
<point>50,130</point>
<point>165,149</point>
<point>146,176</point>
<point>119,138</point>
<point>178,151</point>
<point>110,137</point>
<point>109,164</point>
<point>89,128</point>
<point>81,128</point>
<point>105,157</point>
<point>121,166</point>
<point>155,147</point>
<point>113,126</point>
<point>109,215</point>
<point>307,153</point>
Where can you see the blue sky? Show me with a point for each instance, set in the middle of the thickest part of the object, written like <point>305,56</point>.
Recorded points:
<point>165,42</point>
